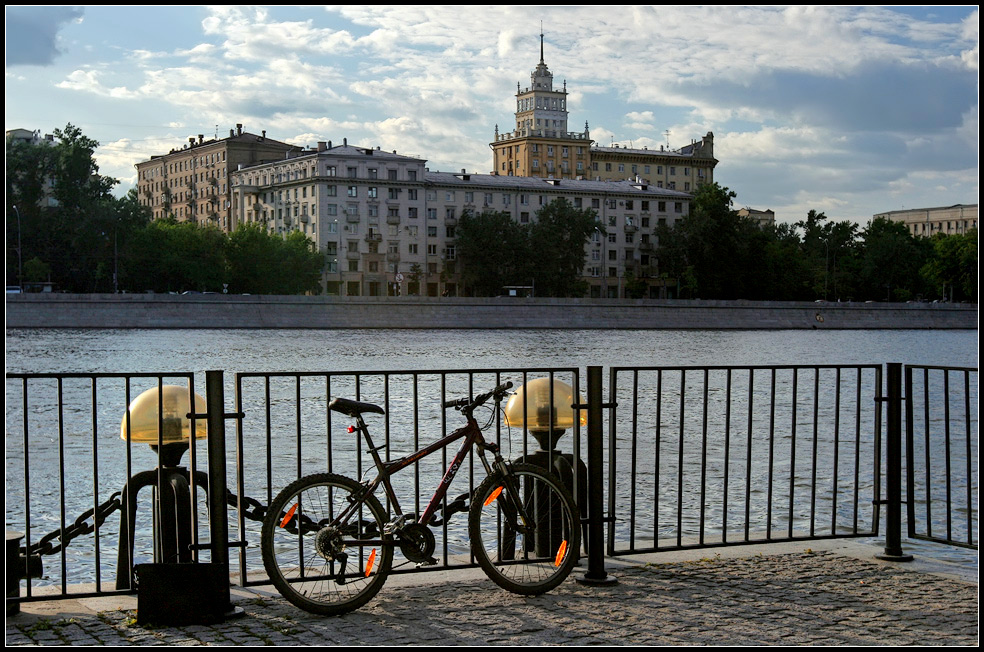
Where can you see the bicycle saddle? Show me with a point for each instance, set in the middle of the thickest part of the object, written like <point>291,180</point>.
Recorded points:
<point>353,408</point>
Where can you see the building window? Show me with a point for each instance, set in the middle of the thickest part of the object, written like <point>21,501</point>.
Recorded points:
<point>353,191</point>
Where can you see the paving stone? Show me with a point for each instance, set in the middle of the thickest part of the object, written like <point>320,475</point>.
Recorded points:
<point>791,599</point>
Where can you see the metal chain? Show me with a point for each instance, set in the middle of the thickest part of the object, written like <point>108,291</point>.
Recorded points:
<point>54,542</point>
<point>47,544</point>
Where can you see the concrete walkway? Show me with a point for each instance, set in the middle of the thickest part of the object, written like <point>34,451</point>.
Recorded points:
<point>821,593</point>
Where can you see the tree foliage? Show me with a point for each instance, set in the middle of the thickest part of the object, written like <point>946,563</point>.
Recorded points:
<point>495,251</point>
<point>64,214</point>
<point>556,248</point>
<point>75,234</point>
<point>715,255</point>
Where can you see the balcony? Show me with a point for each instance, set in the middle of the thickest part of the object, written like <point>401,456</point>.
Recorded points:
<point>353,218</point>
<point>374,237</point>
<point>393,219</point>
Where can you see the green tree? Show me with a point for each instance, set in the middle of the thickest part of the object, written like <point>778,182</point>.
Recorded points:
<point>300,265</point>
<point>952,267</point>
<point>171,256</point>
<point>556,246</point>
<point>708,247</point>
<point>493,251</point>
<point>890,261</point>
<point>68,218</point>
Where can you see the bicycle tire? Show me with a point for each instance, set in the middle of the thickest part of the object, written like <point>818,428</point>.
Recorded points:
<point>310,580</point>
<point>532,563</point>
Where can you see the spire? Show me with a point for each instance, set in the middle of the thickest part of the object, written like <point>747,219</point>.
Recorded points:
<point>541,41</point>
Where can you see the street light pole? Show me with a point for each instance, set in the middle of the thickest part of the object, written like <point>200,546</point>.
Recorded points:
<point>20,266</point>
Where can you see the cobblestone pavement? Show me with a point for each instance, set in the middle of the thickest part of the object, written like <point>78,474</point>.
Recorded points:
<point>807,597</point>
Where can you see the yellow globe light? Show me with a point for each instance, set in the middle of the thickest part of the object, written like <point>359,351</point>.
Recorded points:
<point>543,411</point>
<point>176,424</point>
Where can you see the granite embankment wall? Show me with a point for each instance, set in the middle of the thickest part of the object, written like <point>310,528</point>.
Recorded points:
<point>235,311</point>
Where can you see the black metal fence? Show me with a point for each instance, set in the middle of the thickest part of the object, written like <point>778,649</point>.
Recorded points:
<point>691,456</point>
<point>734,455</point>
<point>941,440</point>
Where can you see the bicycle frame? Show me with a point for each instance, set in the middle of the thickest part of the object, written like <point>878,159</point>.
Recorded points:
<point>472,435</point>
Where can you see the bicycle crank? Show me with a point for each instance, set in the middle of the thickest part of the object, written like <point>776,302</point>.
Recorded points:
<point>417,543</point>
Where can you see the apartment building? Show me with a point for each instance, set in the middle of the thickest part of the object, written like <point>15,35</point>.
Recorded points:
<point>959,218</point>
<point>541,145</point>
<point>192,182</point>
<point>762,218</point>
<point>387,224</point>
<point>683,169</point>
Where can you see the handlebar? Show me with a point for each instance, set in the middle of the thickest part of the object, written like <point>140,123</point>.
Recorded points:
<point>468,405</point>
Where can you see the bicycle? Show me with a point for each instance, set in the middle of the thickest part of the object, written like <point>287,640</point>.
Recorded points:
<point>328,545</point>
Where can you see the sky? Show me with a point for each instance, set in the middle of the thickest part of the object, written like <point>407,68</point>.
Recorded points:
<point>848,110</point>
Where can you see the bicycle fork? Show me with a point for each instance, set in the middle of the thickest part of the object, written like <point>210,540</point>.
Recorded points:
<point>513,506</point>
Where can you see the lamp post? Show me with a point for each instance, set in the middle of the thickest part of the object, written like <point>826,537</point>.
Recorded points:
<point>544,407</point>
<point>160,417</point>
<point>20,272</point>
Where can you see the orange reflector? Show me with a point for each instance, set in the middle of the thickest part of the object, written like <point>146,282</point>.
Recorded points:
<point>290,515</point>
<point>493,496</point>
<point>372,559</point>
<point>560,553</point>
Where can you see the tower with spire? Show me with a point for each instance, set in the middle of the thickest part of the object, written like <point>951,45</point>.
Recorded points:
<point>540,144</point>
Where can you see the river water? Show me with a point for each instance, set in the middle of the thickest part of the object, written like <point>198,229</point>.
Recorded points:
<point>271,351</point>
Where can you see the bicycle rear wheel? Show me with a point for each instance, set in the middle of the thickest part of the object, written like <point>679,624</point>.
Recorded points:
<point>316,564</point>
<point>531,560</point>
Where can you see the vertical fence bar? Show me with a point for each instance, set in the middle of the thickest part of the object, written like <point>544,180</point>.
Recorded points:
<point>893,466</point>
<point>910,454</point>
<point>748,454</point>
<point>792,455</point>
<point>596,554</point>
<point>772,454</point>
<point>970,493</point>
<point>659,439</point>
<point>947,456</point>
<point>682,430</point>
<point>727,455</point>
<point>816,441</point>
<point>218,524</point>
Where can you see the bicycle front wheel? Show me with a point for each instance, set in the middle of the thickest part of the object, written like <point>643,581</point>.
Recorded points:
<point>318,564</point>
<point>527,559</point>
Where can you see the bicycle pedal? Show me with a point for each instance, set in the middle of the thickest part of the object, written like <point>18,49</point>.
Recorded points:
<point>430,561</point>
